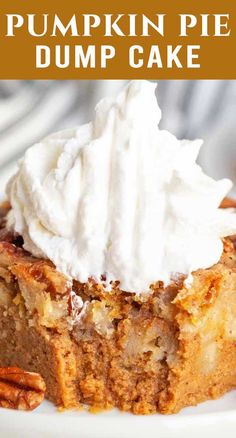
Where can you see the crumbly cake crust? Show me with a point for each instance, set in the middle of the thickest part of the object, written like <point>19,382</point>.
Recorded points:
<point>173,348</point>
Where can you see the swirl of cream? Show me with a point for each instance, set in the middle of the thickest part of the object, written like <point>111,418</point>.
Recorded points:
<point>119,197</point>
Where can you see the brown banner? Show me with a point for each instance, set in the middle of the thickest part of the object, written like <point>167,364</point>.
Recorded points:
<point>127,39</point>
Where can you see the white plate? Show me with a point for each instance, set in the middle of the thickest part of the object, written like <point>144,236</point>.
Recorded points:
<point>210,419</point>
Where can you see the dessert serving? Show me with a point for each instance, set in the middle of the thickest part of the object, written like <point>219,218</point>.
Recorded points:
<point>117,272</point>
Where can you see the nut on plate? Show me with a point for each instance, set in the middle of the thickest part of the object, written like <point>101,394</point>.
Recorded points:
<point>20,389</point>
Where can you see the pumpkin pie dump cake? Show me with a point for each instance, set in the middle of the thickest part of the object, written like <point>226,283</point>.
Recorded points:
<point>117,278</point>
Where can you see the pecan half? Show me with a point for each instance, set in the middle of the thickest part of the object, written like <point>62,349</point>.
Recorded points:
<point>20,389</point>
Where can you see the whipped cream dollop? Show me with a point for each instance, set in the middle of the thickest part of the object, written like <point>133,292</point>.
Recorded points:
<point>120,199</point>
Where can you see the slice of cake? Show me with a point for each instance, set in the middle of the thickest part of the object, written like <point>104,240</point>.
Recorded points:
<point>174,349</point>
<point>117,283</point>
